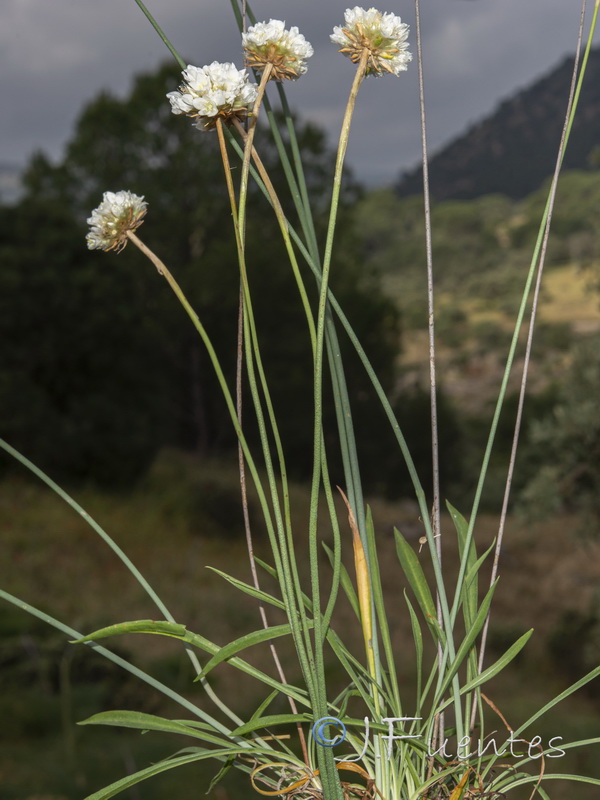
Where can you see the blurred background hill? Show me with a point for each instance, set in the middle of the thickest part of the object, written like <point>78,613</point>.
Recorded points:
<point>512,151</point>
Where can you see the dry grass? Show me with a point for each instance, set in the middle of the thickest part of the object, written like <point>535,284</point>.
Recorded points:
<point>471,372</point>
<point>52,559</point>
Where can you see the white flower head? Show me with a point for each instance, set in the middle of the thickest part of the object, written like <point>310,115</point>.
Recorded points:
<point>383,35</point>
<point>217,90</point>
<point>270,43</point>
<point>118,213</point>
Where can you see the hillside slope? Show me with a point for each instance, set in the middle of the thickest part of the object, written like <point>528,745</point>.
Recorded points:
<point>513,151</point>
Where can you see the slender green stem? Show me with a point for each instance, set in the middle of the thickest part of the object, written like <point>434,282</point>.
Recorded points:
<point>285,232</point>
<point>393,421</point>
<point>284,227</point>
<point>435,455</point>
<point>73,634</point>
<point>242,468</point>
<point>516,332</point>
<point>162,270</point>
<point>280,557</point>
<point>396,429</point>
<point>315,269</point>
<point>162,35</point>
<point>573,96</point>
<point>284,526</point>
<point>291,583</point>
<point>125,560</point>
<point>327,764</point>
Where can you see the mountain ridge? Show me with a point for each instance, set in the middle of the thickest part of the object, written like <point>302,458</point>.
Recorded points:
<point>513,150</point>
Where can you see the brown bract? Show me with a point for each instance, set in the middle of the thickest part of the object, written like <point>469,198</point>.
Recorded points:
<point>358,41</point>
<point>283,69</point>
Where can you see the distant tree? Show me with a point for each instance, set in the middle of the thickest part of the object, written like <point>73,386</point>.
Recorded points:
<point>80,391</point>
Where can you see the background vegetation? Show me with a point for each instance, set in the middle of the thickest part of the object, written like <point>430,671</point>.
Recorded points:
<point>102,383</point>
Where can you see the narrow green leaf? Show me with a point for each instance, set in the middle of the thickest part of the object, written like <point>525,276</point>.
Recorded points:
<point>498,665</point>
<point>382,617</point>
<point>148,772</point>
<point>469,589</point>
<point>345,581</point>
<point>473,570</point>
<point>264,705</point>
<point>469,639</point>
<point>267,567</point>
<point>418,583</point>
<point>159,627</point>
<point>594,673</point>
<point>248,640</point>
<point>288,689</point>
<point>269,722</point>
<point>150,722</point>
<point>558,776</point>
<point>220,774</point>
<point>247,588</point>
<point>358,674</point>
<point>155,769</point>
<point>418,640</point>
<point>133,670</point>
<point>180,631</point>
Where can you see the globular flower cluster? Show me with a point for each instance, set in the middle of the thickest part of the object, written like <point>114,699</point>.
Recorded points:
<point>211,92</point>
<point>270,43</point>
<point>383,35</point>
<point>118,213</point>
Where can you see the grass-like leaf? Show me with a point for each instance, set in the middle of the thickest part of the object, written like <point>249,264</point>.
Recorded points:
<point>469,640</point>
<point>268,722</point>
<point>180,632</point>
<point>162,766</point>
<point>247,588</point>
<point>248,640</point>
<point>418,583</point>
<point>498,665</point>
<point>151,722</point>
<point>345,582</point>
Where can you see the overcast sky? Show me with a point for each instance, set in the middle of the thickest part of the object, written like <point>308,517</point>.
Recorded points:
<point>56,55</point>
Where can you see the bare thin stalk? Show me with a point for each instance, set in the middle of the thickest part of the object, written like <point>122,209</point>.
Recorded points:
<point>528,348</point>
<point>435,449</point>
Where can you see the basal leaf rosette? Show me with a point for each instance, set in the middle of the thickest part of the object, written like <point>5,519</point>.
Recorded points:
<point>117,214</point>
<point>216,91</point>
<point>270,43</point>
<point>383,35</point>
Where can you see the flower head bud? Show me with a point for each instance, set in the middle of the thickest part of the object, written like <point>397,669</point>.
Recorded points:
<point>270,43</point>
<point>217,90</point>
<point>383,35</point>
<point>118,213</point>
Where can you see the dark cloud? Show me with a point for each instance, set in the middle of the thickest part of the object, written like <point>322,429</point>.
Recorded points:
<point>56,57</point>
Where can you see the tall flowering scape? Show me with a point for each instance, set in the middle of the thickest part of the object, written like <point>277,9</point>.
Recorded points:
<point>118,213</point>
<point>270,43</point>
<point>384,35</point>
<point>216,90</point>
